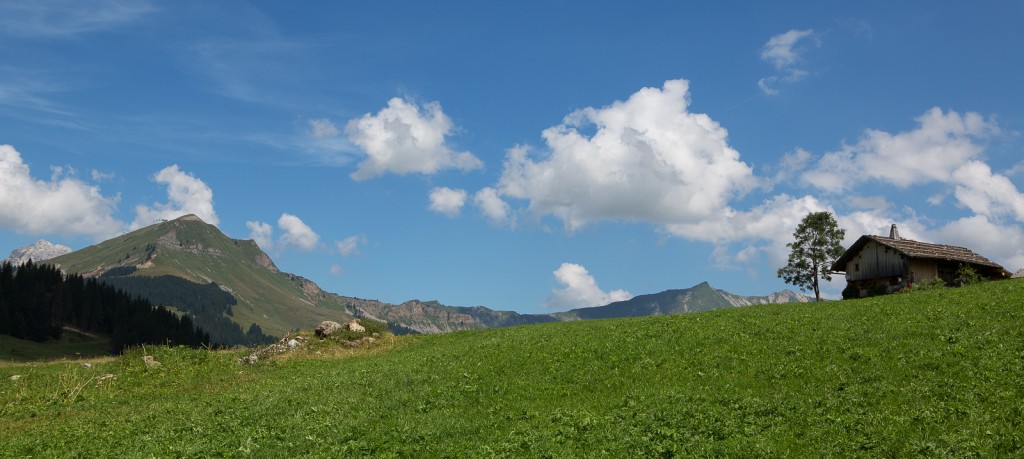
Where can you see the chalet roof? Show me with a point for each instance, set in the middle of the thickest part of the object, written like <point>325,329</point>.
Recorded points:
<point>915,249</point>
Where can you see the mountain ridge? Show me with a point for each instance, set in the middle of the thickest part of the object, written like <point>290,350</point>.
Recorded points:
<point>277,301</point>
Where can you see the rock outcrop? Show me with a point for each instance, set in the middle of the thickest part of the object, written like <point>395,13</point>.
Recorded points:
<point>326,328</point>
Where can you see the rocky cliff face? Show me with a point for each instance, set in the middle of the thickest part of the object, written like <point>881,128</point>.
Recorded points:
<point>785,296</point>
<point>419,316</point>
<point>39,251</point>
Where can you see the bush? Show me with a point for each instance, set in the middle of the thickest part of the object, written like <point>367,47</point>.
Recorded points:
<point>931,284</point>
<point>966,275</point>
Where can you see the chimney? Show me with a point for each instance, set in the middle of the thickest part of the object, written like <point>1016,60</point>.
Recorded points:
<point>894,233</point>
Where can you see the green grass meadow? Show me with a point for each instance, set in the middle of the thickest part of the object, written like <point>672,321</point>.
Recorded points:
<point>935,373</point>
<point>71,345</point>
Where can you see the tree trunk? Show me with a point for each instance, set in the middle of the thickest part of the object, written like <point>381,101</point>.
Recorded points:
<point>817,293</point>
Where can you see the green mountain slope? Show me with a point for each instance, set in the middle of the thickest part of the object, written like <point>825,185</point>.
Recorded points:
<point>926,374</point>
<point>191,249</point>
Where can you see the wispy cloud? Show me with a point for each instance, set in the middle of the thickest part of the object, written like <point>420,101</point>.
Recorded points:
<point>785,52</point>
<point>321,128</point>
<point>66,18</point>
<point>350,245</point>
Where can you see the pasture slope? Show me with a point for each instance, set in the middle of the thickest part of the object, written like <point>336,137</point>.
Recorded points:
<point>932,373</point>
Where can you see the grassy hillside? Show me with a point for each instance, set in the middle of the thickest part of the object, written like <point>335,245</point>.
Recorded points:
<point>935,373</point>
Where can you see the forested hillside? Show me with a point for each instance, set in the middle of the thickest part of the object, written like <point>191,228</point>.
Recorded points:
<point>207,303</point>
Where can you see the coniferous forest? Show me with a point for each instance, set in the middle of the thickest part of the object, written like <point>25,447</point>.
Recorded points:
<point>37,301</point>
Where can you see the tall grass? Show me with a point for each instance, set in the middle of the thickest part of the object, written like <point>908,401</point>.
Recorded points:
<point>937,373</point>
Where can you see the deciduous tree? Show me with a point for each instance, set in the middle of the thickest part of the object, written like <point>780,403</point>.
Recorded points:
<point>817,243</point>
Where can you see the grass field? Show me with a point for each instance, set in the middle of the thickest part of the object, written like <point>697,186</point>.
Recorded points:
<point>935,373</point>
<point>72,345</point>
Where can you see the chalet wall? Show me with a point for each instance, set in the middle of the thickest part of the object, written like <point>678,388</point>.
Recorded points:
<point>924,270</point>
<point>874,261</point>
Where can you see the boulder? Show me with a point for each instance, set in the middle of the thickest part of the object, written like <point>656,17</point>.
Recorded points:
<point>354,326</point>
<point>150,361</point>
<point>326,328</point>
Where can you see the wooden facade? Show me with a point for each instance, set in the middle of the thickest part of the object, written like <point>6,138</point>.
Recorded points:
<point>878,264</point>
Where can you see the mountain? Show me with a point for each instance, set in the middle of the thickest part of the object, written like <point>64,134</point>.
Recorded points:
<point>39,251</point>
<point>434,317</point>
<point>192,266</point>
<point>701,297</point>
<point>210,275</point>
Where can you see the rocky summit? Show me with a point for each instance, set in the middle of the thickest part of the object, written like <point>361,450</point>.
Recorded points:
<point>39,251</point>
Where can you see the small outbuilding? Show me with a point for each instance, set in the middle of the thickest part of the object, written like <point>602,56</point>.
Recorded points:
<point>886,264</point>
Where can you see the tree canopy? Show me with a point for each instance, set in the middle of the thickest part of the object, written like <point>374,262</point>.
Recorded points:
<point>817,243</point>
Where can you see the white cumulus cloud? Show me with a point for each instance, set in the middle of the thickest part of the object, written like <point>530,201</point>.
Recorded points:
<point>297,233</point>
<point>987,193</point>
<point>262,233</point>
<point>62,205</point>
<point>942,143</point>
<point>1001,243</point>
<point>447,201</point>
<point>493,207</point>
<point>765,228</point>
<point>649,159</point>
<point>186,194</point>
<point>405,138</point>
<point>578,289</point>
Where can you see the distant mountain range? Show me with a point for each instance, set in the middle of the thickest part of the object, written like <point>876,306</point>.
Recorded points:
<point>186,258</point>
<point>39,251</point>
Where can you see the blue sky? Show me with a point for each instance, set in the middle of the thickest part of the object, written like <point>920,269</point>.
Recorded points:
<point>533,156</point>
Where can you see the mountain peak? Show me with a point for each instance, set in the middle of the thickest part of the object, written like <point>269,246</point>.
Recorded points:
<point>41,250</point>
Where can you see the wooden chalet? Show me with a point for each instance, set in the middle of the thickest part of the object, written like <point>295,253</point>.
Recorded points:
<point>879,263</point>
